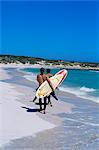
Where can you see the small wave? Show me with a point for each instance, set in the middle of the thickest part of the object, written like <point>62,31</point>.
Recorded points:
<point>31,77</point>
<point>86,123</point>
<point>94,71</point>
<point>85,89</point>
<point>81,93</point>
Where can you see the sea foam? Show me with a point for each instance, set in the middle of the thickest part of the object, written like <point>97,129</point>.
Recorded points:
<point>85,89</point>
<point>82,92</point>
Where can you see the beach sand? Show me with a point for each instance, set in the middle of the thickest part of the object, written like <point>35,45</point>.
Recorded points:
<point>19,116</point>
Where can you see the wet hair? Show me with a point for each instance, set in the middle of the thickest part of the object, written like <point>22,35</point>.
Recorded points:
<point>41,69</point>
<point>48,70</point>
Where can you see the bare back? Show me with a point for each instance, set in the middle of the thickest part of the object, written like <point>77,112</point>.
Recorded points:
<point>41,78</point>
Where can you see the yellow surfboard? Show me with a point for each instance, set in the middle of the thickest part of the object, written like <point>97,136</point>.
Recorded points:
<point>45,89</point>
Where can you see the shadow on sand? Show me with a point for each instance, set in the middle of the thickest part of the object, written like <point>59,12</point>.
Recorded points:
<point>30,110</point>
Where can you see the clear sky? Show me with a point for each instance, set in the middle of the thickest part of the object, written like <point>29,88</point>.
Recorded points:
<point>66,30</point>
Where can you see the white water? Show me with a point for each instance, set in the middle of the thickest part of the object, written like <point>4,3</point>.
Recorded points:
<point>81,92</point>
<point>85,89</point>
<point>86,123</point>
<point>31,77</point>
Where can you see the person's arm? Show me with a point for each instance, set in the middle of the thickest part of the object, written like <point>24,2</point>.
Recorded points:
<point>38,78</point>
<point>50,84</point>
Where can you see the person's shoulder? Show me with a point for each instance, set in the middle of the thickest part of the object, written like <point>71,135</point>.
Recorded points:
<point>50,75</point>
<point>38,75</point>
<point>44,75</point>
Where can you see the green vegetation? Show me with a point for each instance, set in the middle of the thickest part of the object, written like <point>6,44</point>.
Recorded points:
<point>5,59</point>
<point>18,59</point>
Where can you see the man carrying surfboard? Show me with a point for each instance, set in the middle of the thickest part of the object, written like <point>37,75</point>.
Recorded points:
<point>41,78</point>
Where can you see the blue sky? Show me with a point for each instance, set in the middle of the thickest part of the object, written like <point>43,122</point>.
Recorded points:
<point>66,30</point>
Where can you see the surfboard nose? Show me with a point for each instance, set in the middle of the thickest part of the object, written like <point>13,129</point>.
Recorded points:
<point>65,71</point>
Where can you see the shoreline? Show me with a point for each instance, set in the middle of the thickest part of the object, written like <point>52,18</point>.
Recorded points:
<point>13,65</point>
<point>47,121</point>
<point>68,91</point>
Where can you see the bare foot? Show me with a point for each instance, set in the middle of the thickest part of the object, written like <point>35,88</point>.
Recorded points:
<point>51,105</point>
<point>44,112</point>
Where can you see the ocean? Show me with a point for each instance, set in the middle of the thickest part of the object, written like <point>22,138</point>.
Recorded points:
<point>82,83</point>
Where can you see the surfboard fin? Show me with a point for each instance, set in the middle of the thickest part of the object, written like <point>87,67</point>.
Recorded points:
<point>53,94</point>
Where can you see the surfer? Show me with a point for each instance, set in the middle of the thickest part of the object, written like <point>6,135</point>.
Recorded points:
<point>41,78</point>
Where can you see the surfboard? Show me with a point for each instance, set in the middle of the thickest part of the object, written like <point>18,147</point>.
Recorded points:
<point>45,89</point>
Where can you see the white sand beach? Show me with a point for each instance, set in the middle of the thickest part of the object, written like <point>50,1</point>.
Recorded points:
<point>15,121</point>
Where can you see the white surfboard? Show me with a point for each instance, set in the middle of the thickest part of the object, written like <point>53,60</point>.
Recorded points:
<point>45,89</point>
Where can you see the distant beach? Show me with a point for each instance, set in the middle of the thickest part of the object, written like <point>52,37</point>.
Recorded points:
<point>34,62</point>
<point>72,122</point>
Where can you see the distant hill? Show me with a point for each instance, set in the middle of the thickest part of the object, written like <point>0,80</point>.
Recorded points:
<point>18,59</point>
<point>5,59</point>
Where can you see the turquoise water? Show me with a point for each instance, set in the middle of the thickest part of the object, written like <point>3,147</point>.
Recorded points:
<point>82,83</point>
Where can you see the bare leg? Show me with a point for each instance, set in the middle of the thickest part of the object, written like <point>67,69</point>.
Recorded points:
<point>49,100</point>
<point>44,104</point>
<point>34,99</point>
<point>40,102</point>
